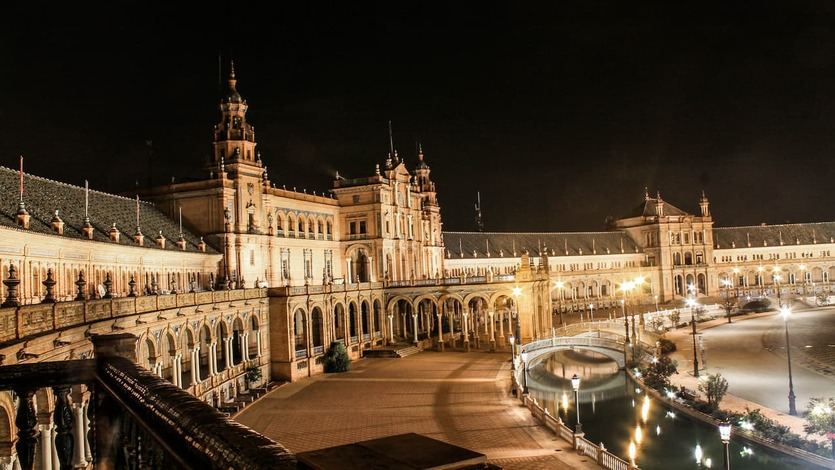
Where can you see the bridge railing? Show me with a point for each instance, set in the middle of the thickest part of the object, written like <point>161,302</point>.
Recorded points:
<point>583,446</point>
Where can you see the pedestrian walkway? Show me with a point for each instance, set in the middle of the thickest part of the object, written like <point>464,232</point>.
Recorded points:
<point>460,398</point>
<point>684,356</point>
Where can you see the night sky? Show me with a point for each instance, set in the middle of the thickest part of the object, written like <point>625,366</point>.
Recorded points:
<point>558,114</point>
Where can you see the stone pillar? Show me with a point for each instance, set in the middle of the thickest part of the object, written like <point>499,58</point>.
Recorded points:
<point>228,352</point>
<point>451,328</point>
<point>414,326</point>
<point>55,462</point>
<point>466,331</point>
<point>391,329</point>
<point>502,341</point>
<point>245,346</point>
<point>79,436</point>
<point>440,331</point>
<point>212,359</point>
<point>87,453</point>
<point>258,343</point>
<point>491,316</point>
<point>46,446</point>
<point>195,365</point>
<point>178,370</point>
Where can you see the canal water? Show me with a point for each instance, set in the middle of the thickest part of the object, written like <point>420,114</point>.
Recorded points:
<point>613,411</point>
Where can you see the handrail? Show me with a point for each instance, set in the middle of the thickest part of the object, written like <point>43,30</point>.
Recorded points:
<point>201,435</point>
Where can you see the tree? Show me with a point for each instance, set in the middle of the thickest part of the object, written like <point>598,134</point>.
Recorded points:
<point>336,359</point>
<point>714,387</point>
<point>675,317</point>
<point>657,374</point>
<point>253,375</point>
<point>820,419</point>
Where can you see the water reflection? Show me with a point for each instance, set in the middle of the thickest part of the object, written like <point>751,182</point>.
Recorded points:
<point>615,412</point>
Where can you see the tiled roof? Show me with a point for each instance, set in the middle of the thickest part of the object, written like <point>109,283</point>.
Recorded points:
<point>648,208</point>
<point>557,243</point>
<point>772,235</point>
<point>43,196</point>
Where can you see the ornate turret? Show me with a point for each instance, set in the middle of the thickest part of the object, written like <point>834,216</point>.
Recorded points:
<point>234,137</point>
<point>424,183</point>
<point>659,204</point>
<point>57,224</point>
<point>704,205</point>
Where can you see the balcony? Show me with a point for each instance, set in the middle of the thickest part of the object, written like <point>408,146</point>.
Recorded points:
<point>137,419</point>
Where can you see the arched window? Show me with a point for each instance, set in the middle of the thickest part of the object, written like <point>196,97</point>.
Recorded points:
<point>316,330</point>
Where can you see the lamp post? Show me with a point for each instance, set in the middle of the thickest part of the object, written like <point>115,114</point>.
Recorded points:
<point>525,375</point>
<point>803,275</point>
<point>638,283</point>
<point>692,303</point>
<point>725,435</point>
<point>591,312</point>
<point>728,305</point>
<point>575,384</point>
<point>786,312</point>
<point>625,287</point>
<point>512,340</point>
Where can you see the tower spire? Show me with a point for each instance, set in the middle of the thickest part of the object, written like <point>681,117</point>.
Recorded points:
<point>391,140</point>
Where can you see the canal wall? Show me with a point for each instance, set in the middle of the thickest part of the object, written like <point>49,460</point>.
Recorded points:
<point>583,446</point>
<point>747,435</point>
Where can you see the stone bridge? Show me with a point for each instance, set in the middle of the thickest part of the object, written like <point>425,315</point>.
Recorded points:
<point>611,345</point>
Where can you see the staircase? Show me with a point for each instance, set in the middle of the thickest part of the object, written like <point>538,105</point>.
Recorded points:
<point>392,351</point>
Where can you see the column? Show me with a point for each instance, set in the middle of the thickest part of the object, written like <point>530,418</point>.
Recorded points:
<point>502,341</point>
<point>46,446</point>
<point>491,315</point>
<point>178,373</point>
<point>7,463</point>
<point>242,345</point>
<point>466,331</point>
<point>414,326</point>
<point>228,352</point>
<point>391,328</point>
<point>79,437</point>
<point>258,343</point>
<point>440,331</point>
<point>212,358</point>
<point>451,327</point>
<point>88,455</point>
<point>55,461</point>
<point>195,365</point>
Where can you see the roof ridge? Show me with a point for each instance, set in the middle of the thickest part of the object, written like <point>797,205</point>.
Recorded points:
<point>773,225</point>
<point>614,232</point>
<point>63,183</point>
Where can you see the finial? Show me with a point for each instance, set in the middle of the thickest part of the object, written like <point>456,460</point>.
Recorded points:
<point>232,69</point>
<point>658,195</point>
<point>646,193</point>
<point>377,169</point>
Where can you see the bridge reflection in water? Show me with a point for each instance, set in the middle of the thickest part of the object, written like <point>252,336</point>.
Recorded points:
<point>611,412</point>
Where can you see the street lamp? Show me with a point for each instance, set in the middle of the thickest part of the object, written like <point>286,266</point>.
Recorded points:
<point>525,375</point>
<point>591,312</point>
<point>625,287</point>
<point>575,384</point>
<point>725,435</point>
<point>692,303</point>
<point>728,305</point>
<point>786,312</point>
<point>638,282</point>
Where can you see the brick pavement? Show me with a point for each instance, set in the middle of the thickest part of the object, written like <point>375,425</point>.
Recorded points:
<point>460,398</point>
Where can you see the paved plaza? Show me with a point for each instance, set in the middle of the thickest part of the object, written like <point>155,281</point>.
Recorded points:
<point>460,398</point>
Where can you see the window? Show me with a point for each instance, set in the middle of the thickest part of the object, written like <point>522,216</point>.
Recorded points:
<point>308,263</point>
<point>686,238</point>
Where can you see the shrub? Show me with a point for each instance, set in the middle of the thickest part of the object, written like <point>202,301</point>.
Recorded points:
<point>675,317</point>
<point>336,359</point>
<point>666,346</point>
<point>253,374</point>
<point>657,374</point>
<point>714,387</point>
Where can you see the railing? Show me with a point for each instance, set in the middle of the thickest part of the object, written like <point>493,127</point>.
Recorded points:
<point>318,350</point>
<point>353,339</point>
<point>137,419</point>
<point>301,353</point>
<point>583,446</point>
<point>38,319</point>
<point>378,334</point>
<point>366,337</point>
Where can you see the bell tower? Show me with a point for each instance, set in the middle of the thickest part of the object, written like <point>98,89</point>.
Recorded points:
<point>234,138</point>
